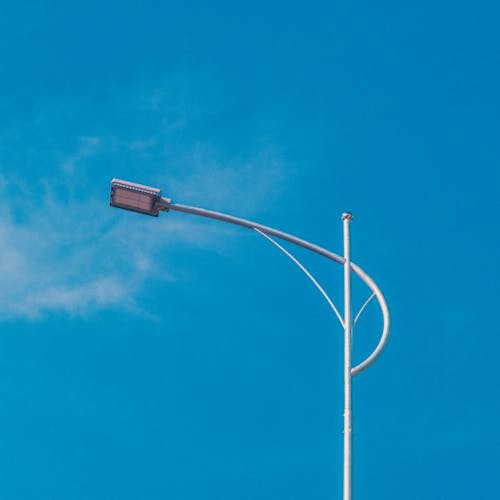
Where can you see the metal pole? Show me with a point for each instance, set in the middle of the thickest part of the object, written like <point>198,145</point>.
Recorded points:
<point>346,219</point>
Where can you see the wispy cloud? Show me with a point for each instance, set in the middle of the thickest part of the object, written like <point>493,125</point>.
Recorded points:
<point>87,147</point>
<point>47,254</point>
<point>63,250</point>
<point>231,184</point>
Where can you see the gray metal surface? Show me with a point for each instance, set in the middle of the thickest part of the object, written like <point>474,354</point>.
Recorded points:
<point>346,220</point>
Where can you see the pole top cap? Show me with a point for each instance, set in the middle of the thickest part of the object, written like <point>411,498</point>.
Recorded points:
<point>347,216</point>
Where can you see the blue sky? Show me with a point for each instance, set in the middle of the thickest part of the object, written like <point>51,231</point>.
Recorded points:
<point>181,358</point>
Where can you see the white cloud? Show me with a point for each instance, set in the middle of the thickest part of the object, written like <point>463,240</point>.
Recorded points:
<point>88,147</point>
<point>235,185</point>
<point>47,255</point>
<point>73,299</point>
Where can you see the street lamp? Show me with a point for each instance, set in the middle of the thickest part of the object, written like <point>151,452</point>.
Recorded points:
<point>149,201</point>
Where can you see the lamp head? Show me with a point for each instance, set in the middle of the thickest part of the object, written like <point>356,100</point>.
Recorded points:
<point>136,197</point>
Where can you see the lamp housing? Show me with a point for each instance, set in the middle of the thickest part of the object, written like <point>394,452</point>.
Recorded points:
<point>135,197</point>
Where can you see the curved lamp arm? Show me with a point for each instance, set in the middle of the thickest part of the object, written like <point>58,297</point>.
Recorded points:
<point>165,204</point>
<point>149,201</point>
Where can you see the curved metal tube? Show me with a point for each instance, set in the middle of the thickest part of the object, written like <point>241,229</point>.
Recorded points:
<point>363,307</point>
<point>210,214</point>
<point>306,272</point>
<point>166,204</point>
<point>385,314</point>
